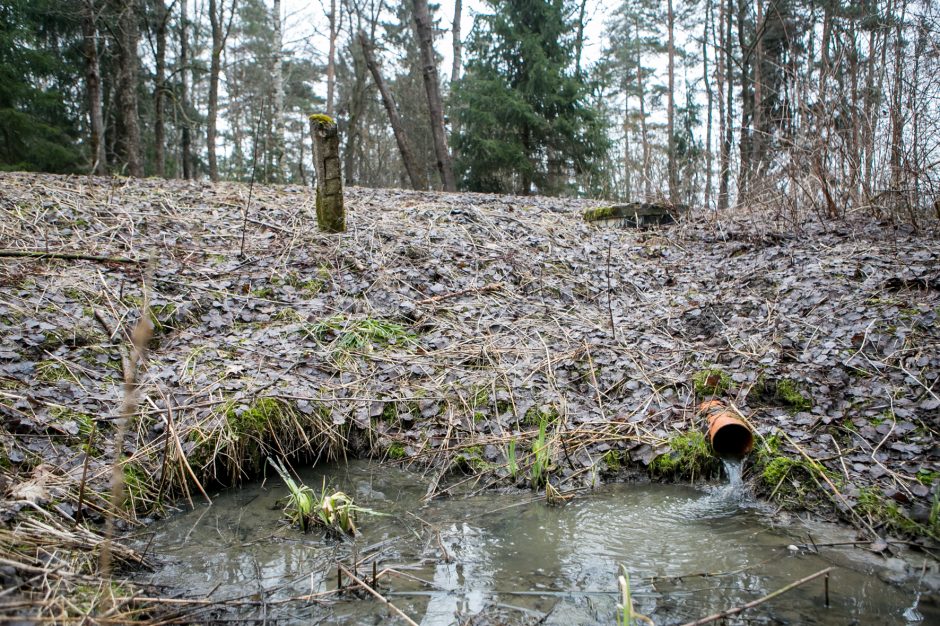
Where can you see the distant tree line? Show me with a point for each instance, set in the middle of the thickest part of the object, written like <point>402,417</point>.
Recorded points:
<point>795,105</point>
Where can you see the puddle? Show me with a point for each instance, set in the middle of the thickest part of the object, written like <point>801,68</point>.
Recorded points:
<point>512,560</point>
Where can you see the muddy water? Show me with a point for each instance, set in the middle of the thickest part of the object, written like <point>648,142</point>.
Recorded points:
<point>501,558</point>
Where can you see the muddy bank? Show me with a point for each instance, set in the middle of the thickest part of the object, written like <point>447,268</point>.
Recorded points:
<point>442,332</point>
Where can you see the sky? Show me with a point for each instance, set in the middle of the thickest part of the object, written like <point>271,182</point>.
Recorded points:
<point>305,20</point>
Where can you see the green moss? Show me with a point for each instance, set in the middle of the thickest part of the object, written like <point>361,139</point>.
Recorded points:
<point>390,412</point>
<point>790,393</point>
<point>470,459</point>
<point>396,451</point>
<point>600,213</point>
<point>260,415</point>
<point>927,477</point>
<point>263,293</point>
<point>162,317</point>
<point>322,119</point>
<point>711,382</point>
<point>690,455</point>
<point>777,469</point>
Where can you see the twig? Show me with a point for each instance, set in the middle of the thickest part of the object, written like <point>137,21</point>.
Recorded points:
<point>377,595</point>
<point>68,256</point>
<point>456,294</point>
<point>750,605</point>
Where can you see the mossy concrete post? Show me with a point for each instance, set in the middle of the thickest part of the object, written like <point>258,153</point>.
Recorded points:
<point>331,214</point>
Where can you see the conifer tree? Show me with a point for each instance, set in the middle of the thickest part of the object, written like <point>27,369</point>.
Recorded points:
<point>521,105</point>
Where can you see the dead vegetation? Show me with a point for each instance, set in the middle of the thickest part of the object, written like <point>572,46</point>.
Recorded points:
<point>466,335</point>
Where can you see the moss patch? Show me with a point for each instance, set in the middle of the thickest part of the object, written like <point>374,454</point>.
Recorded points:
<point>612,460</point>
<point>396,451</point>
<point>711,382</point>
<point>322,119</point>
<point>547,413</point>
<point>689,456</point>
<point>785,392</point>
<point>884,511</point>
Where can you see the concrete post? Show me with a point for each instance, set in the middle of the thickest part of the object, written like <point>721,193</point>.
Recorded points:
<point>331,214</point>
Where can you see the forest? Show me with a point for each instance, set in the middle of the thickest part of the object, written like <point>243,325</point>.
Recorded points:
<point>818,107</point>
<point>479,312</point>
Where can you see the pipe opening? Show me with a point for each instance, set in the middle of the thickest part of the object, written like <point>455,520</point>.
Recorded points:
<point>732,440</point>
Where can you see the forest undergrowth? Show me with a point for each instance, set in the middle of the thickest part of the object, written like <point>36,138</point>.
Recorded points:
<point>474,338</point>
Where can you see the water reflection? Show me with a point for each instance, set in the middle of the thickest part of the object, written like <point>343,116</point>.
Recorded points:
<point>689,553</point>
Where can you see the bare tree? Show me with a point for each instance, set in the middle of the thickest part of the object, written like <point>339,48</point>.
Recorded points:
<point>99,163</point>
<point>162,15</point>
<point>458,44</point>
<point>186,138</point>
<point>671,100</point>
<point>404,146</point>
<point>128,36</point>
<point>278,100</point>
<point>331,61</point>
<point>220,33</point>
<point>433,89</point>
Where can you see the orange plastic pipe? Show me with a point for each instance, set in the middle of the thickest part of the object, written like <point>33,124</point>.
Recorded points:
<point>728,434</point>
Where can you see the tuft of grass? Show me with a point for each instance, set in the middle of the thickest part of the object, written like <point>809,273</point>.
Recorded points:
<point>712,381</point>
<point>511,464</point>
<point>347,335</point>
<point>537,414</point>
<point>333,510</point>
<point>470,459</point>
<point>541,458</point>
<point>884,511</point>
<point>689,455</point>
<point>626,614</point>
<point>612,460</point>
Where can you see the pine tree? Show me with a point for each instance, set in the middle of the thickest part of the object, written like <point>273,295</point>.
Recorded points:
<point>41,61</point>
<point>524,123</point>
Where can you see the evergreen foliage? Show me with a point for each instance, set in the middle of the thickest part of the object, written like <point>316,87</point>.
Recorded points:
<point>521,107</point>
<point>40,86</point>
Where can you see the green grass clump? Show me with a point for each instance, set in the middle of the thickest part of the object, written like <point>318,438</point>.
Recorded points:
<point>882,510</point>
<point>538,414</point>
<point>541,457</point>
<point>511,463</point>
<point>711,382</point>
<point>85,422</point>
<point>354,335</point>
<point>690,455</point>
<point>612,460</point>
<point>927,477</point>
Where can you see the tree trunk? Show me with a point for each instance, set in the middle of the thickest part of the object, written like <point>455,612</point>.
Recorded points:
<point>671,102</point>
<point>186,139</point>
<point>129,34</point>
<point>579,39</point>
<point>159,91</point>
<point>644,135</point>
<point>404,147</point>
<point>458,44</point>
<point>897,115</point>
<point>331,213</point>
<point>278,104</point>
<point>759,132</point>
<point>725,157</point>
<point>99,161</point>
<point>215,64</point>
<point>708,93</point>
<point>432,87</point>
<point>331,63</point>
